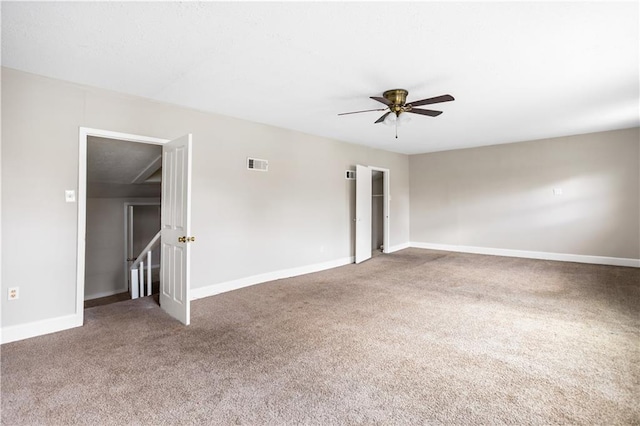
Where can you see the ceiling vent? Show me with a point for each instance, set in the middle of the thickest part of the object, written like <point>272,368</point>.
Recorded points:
<point>257,164</point>
<point>350,174</point>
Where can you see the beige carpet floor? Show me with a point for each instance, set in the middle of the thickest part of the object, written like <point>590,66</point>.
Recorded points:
<point>415,337</point>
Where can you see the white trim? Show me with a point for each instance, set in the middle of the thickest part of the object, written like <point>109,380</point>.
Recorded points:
<point>13,333</point>
<point>83,135</point>
<point>562,257</point>
<point>199,293</point>
<point>129,137</point>
<point>82,222</point>
<point>398,247</point>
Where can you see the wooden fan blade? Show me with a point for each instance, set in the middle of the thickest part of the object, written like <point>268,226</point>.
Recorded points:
<point>358,112</point>
<point>379,99</point>
<point>381,119</point>
<point>428,112</point>
<point>437,99</point>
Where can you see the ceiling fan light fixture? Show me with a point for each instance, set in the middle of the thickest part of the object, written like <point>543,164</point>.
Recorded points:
<point>403,118</point>
<point>390,120</point>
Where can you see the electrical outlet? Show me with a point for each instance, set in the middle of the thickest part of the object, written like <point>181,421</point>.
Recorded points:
<point>13,293</point>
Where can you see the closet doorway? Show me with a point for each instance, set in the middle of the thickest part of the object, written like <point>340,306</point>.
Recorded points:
<point>372,211</point>
<point>377,212</point>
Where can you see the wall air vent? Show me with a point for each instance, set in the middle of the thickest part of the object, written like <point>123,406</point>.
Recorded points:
<point>257,164</point>
<point>350,174</point>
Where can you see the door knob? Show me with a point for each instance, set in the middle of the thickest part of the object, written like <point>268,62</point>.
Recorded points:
<point>186,239</point>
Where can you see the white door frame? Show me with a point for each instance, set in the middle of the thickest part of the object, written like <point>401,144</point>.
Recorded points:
<point>386,211</point>
<point>84,133</point>
<point>386,198</point>
<point>128,238</point>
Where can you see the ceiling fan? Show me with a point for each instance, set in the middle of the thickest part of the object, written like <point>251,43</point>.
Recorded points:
<point>396,102</point>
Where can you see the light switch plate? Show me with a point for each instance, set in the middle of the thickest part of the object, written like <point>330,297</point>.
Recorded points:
<point>557,191</point>
<point>70,196</point>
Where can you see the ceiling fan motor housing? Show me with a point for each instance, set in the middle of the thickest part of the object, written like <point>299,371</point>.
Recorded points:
<point>397,97</point>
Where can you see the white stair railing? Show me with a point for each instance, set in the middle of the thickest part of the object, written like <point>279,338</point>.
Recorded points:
<point>137,269</point>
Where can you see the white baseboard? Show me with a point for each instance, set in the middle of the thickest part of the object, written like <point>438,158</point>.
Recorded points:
<point>398,247</point>
<point>13,333</point>
<point>199,293</point>
<point>104,294</point>
<point>562,257</point>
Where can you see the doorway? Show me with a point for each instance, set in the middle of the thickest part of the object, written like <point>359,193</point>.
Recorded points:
<point>372,211</point>
<point>118,174</point>
<point>377,212</point>
<point>175,217</point>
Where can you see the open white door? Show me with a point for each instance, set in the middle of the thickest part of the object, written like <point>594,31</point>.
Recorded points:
<point>176,228</point>
<point>363,213</point>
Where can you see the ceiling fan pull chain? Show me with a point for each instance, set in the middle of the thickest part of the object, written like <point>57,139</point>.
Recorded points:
<point>396,128</point>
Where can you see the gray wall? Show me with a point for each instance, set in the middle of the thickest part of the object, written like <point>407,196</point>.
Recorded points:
<point>146,224</point>
<point>104,256</point>
<point>300,212</point>
<point>502,196</point>
<point>246,223</point>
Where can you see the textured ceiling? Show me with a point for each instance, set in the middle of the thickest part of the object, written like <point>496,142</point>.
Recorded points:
<point>519,71</point>
<point>114,165</point>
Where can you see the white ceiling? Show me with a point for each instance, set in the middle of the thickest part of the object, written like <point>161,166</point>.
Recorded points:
<point>519,71</point>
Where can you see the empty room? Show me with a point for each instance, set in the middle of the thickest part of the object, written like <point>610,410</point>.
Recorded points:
<point>273,213</point>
